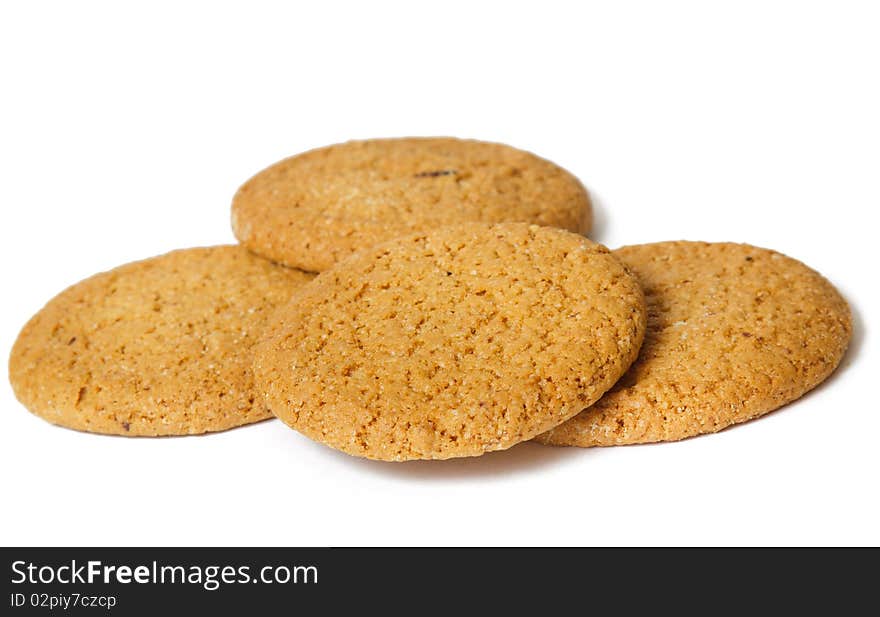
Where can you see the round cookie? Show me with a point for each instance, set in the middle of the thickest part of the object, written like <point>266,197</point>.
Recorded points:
<point>314,209</point>
<point>156,347</point>
<point>453,343</point>
<point>734,332</point>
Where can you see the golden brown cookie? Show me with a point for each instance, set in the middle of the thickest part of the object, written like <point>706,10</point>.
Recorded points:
<point>452,343</point>
<point>312,210</point>
<point>156,347</point>
<point>734,332</point>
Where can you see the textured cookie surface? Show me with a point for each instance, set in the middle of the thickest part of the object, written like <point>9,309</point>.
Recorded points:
<point>734,332</point>
<point>453,343</point>
<point>156,347</point>
<point>312,210</point>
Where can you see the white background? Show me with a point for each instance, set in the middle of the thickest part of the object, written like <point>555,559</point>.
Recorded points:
<point>124,133</point>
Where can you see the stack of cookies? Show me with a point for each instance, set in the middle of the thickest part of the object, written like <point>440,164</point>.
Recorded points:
<point>431,298</point>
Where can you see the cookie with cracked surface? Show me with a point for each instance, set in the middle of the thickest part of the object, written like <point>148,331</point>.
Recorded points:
<point>452,343</point>
<point>314,209</point>
<point>734,332</point>
<point>155,347</point>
